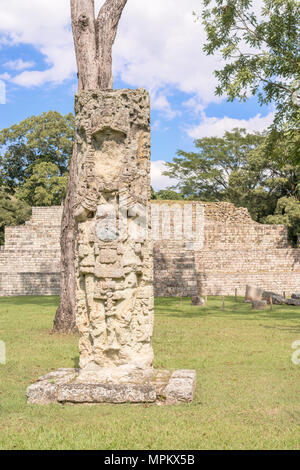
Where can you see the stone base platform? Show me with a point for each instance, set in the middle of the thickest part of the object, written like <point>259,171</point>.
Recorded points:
<point>69,386</point>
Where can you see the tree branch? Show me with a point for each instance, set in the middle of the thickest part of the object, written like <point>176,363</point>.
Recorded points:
<point>84,33</point>
<point>106,30</point>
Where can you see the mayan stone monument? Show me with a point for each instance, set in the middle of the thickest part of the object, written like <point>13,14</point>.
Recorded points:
<point>114,266</point>
<point>114,294</point>
<point>114,300</point>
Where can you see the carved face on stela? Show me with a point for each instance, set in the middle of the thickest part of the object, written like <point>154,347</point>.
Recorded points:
<point>114,168</point>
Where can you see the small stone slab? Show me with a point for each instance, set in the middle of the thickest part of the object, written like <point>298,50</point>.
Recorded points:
<point>259,305</point>
<point>181,386</point>
<point>164,388</point>
<point>198,301</point>
<point>293,301</point>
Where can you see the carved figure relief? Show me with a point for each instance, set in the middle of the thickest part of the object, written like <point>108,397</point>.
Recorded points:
<point>114,254</point>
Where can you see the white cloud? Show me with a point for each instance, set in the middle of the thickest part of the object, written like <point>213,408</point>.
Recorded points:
<point>62,69</point>
<point>5,76</point>
<point>194,105</point>
<point>158,180</point>
<point>212,126</point>
<point>158,46</point>
<point>44,25</point>
<point>161,103</point>
<point>19,64</point>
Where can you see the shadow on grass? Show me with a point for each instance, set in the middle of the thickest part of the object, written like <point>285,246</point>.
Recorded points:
<point>172,307</point>
<point>75,362</point>
<point>290,328</point>
<point>51,301</point>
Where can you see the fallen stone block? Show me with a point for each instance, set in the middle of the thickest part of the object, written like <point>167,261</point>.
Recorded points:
<point>181,387</point>
<point>296,296</point>
<point>196,300</point>
<point>259,305</point>
<point>276,298</point>
<point>295,302</point>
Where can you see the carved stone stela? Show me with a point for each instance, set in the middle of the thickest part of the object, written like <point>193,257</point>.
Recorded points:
<point>114,267</point>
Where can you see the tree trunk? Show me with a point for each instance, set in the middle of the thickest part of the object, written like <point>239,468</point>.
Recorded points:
<point>64,321</point>
<point>84,33</point>
<point>93,40</point>
<point>106,30</point>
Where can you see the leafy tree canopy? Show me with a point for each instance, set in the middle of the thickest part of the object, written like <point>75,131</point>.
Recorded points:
<point>241,168</point>
<point>12,211</point>
<point>260,49</point>
<point>288,213</point>
<point>167,194</point>
<point>45,138</point>
<point>45,187</point>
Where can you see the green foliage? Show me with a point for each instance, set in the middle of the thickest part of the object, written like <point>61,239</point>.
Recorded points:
<point>12,212</point>
<point>168,194</point>
<point>34,160</point>
<point>46,138</point>
<point>153,194</point>
<point>250,170</point>
<point>288,213</point>
<point>220,167</point>
<point>45,187</point>
<point>260,49</point>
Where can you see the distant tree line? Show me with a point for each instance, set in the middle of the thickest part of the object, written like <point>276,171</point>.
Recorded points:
<point>258,171</point>
<point>34,165</point>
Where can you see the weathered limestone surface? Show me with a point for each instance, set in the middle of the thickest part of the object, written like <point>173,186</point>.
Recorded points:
<point>66,386</point>
<point>259,305</point>
<point>253,293</point>
<point>276,298</point>
<point>114,252</point>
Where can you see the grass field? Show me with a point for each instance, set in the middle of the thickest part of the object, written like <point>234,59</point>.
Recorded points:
<point>248,389</point>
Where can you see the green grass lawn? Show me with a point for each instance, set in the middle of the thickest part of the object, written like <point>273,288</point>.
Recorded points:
<point>247,396</point>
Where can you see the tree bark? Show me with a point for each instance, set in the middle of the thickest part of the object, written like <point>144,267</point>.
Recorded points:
<point>106,30</point>
<point>65,321</point>
<point>84,33</point>
<point>93,40</point>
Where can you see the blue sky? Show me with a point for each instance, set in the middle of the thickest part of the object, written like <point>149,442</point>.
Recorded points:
<point>158,47</point>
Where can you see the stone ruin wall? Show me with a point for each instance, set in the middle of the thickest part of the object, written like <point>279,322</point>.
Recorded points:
<point>30,258</point>
<point>227,249</point>
<point>234,251</point>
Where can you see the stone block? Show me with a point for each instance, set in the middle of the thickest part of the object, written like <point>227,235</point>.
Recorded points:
<point>181,386</point>
<point>259,305</point>
<point>108,256</point>
<point>276,298</point>
<point>196,300</point>
<point>65,386</point>
<point>296,296</point>
<point>253,293</point>
<point>295,302</point>
<point>106,393</point>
